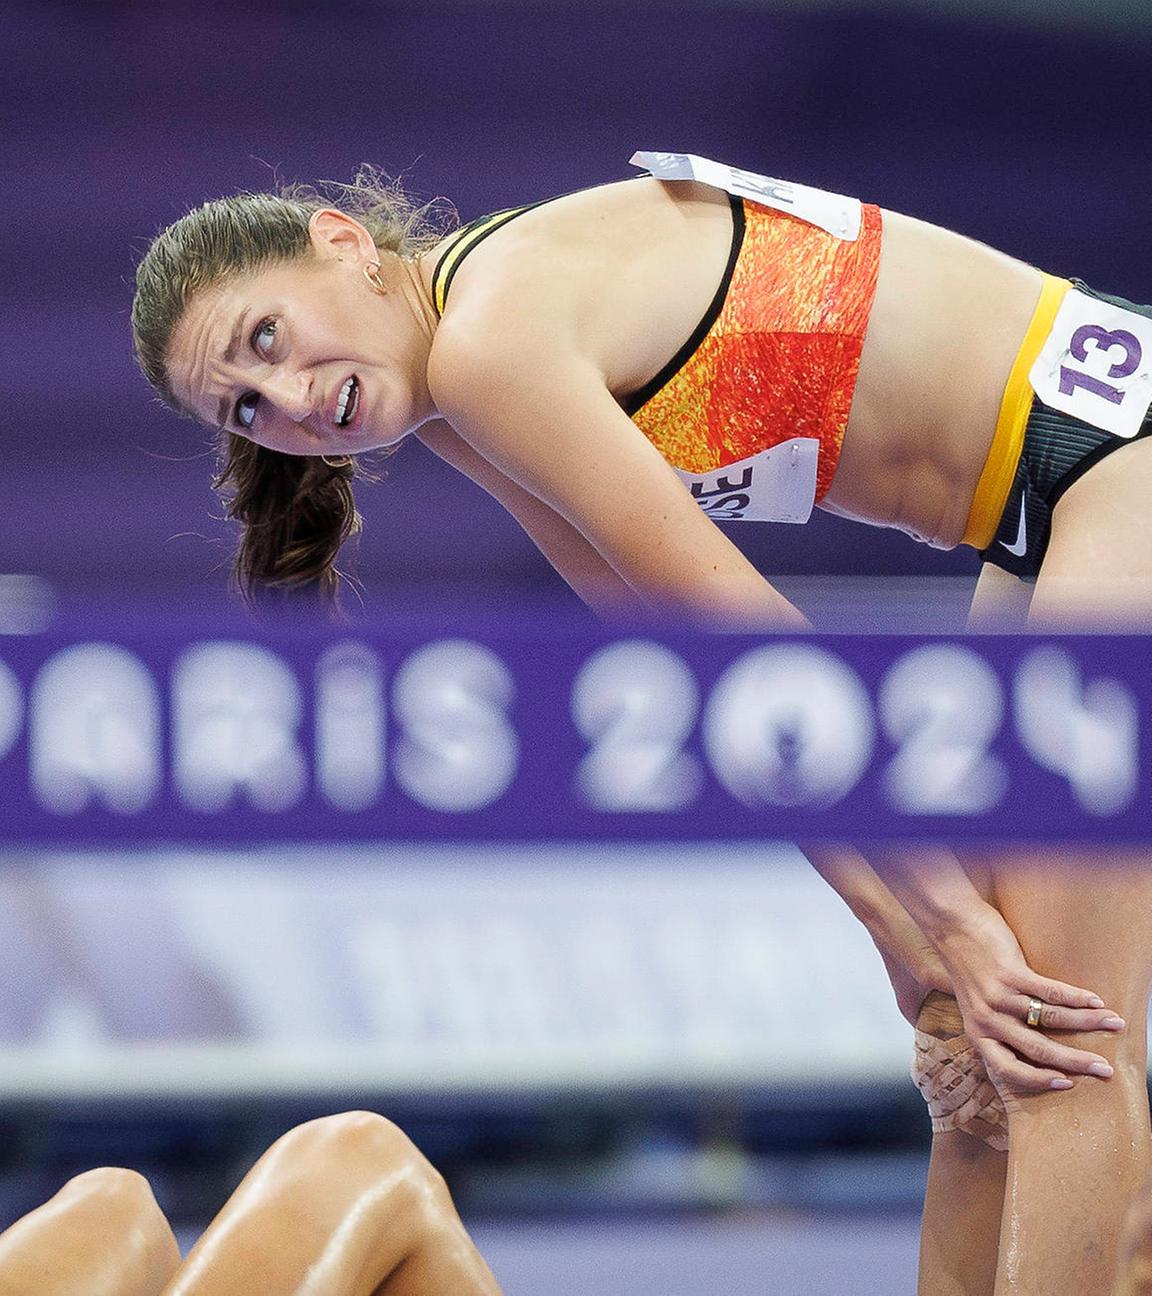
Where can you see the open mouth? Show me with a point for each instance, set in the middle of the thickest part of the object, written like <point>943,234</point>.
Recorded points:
<point>348,401</point>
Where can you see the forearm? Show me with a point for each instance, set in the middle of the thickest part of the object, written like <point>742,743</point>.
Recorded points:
<point>933,887</point>
<point>848,873</point>
<point>737,598</point>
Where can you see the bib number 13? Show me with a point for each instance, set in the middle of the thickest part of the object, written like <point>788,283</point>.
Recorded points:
<point>1094,365</point>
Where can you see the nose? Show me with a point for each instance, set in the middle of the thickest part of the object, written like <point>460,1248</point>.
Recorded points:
<point>291,393</point>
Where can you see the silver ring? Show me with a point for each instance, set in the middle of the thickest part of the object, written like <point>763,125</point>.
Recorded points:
<point>1034,1007</point>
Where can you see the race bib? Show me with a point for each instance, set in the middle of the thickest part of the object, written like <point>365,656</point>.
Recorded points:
<point>831,212</point>
<point>1097,364</point>
<point>776,485</point>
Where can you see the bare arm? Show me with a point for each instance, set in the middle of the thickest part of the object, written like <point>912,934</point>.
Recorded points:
<point>589,576</point>
<point>593,467</point>
<point>913,965</point>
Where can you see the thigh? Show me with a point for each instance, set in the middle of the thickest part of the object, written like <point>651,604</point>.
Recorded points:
<point>1099,559</point>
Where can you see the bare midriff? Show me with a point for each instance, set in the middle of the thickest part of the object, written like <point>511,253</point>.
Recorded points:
<point>947,321</point>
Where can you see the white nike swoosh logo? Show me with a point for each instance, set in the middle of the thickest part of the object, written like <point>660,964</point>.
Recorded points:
<point>1021,535</point>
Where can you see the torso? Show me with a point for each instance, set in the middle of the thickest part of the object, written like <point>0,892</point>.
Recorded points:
<point>625,272</point>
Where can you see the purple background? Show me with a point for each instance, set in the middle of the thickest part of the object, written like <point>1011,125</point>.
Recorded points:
<point>116,117</point>
<point>542,799</point>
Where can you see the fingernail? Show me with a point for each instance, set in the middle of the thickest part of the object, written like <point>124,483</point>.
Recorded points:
<point>1060,1084</point>
<point>1101,1069</point>
<point>1114,1023</point>
<point>1095,1002</point>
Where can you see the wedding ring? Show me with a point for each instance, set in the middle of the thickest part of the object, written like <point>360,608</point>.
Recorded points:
<point>1034,1006</point>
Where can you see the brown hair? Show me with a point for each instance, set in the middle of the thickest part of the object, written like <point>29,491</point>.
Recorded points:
<point>296,511</point>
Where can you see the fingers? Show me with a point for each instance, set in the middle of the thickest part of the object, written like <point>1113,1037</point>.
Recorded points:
<point>1034,1046</point>
<point>1011,1075</point>
<point>1066,996</point>
<point>1053,1017</point>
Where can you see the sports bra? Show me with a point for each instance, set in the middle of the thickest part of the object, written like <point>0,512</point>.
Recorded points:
<point>751,411</point>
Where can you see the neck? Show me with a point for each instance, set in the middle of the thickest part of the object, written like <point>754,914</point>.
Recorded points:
<point>414,284</point>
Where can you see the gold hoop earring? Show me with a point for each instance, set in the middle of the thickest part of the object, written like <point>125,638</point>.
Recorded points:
<point>372,274</point>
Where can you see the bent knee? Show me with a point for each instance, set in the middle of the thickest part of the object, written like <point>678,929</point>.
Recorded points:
<point>120,1204</point>
<point>1121,1097</point>
<point>359,1143</point>
<point>123,1196</point>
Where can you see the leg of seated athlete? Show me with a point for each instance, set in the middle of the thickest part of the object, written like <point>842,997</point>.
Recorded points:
<point>1077,1157</point>
<point>342,1206</point>
<point>101,1235</point>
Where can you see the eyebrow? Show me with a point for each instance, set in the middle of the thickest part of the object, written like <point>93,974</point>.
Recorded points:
<point>230,355</point>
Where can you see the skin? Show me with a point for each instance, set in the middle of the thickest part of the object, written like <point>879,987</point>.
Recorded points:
<point>519,386</point>
<point>1135,1263</point>
<point>342,1206</point>
<point>101,1235</point>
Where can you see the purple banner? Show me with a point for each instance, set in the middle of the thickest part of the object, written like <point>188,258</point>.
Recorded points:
<point>515,732</point>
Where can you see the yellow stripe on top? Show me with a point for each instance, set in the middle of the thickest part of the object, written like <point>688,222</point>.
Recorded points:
<point>460,244</point>
<point>1008,440</point>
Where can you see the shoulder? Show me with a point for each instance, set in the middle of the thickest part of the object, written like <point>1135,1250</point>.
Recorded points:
<point>500,338</point>
<point>496,367</point>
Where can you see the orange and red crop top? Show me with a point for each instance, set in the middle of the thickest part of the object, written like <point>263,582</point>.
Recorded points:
<point>751,411</point>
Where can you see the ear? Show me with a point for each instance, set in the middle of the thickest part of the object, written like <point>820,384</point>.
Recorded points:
<point>334,233</point>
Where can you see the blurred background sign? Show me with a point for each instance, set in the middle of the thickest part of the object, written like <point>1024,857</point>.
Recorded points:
<point>528,731</point>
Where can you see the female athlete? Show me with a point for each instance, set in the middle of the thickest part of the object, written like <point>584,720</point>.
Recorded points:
<point>624,367</point>
<point>342,1206</point>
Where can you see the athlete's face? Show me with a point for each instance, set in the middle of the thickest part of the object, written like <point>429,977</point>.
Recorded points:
<point>305,357</point>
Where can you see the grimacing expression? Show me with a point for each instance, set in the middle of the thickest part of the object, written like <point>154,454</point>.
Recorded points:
<point>302,357</point>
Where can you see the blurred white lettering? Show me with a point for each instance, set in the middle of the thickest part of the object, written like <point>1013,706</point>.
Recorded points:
<point>458,751</point>
<point>350,727</point>
<point>942,705</point>
<point>236,712</point>
<point>1089,733</point>
<point>95,731</point>
<point>636,703</point>
<point>789,726</point>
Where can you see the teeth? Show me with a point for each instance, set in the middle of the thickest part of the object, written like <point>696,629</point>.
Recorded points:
<point>344,401</point>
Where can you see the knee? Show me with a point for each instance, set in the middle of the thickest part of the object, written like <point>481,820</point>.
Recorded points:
<point>121,1194</point>
<point>122,1203</point>
<point>363,1145</point>
<point>1117,1102</point>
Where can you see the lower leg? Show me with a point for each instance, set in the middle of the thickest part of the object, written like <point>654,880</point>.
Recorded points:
<point>101,1235</point>
<point>1135,1263</point>
<point>344,1206</point>
<point>959,1250</point>
<point>961,1261</point>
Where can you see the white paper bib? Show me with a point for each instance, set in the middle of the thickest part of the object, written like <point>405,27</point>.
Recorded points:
<point>831,212</point>
<point>1097,364</point>
<point>776,485</point>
